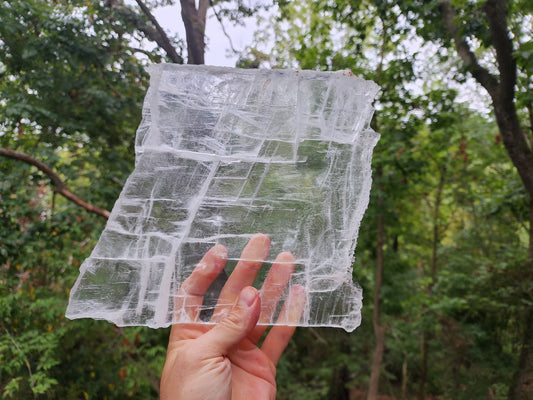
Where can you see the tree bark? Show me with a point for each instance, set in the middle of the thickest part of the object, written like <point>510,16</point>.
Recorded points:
<point>152,30</point>
<point>404,377</point>
<point>194,21</point>
<point>379,330</point>
<point>436,230</point>
<point>518,389</point>
<point>427,336</point>
<point>337,388</point>
<point>57,182</point>
<point>501,89</point>
<point>423,366</point>
<point>503,97</point>
<point>161,37</point>
<point>373,386</point>
<point>519,385</point>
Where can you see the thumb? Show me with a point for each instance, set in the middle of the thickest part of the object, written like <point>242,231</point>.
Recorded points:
<point>238,324</point>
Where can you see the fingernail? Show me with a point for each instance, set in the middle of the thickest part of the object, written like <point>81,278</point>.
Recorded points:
<point>247,297</point>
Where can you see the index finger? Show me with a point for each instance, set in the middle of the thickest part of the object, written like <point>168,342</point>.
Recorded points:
<point>188,302</point>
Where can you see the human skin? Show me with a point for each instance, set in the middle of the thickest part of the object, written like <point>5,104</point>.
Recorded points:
<point>223,361</point>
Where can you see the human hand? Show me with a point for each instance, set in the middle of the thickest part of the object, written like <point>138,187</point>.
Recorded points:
<point>223,361</point>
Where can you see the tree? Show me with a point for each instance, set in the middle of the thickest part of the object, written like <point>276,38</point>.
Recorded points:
<point>307,36</point>
<point>497,27</point>
<point>73,78</point>
<point>346,34</point>
<point>194,20</point>
<point>446,224</point>
<point>63,87</point>
<point>72,90</point>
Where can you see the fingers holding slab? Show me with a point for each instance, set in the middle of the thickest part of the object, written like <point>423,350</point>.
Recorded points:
<point>272,290</point>
<point>244,274</point>
<point>191,293</point>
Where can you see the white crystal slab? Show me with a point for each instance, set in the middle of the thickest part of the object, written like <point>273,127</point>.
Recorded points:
<point>224,153</point>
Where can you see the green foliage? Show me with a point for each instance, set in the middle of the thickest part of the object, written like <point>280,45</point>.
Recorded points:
<point>72,88</point>
<point>66,71</point>
<point>43,355</point>
<point>455,211</point>
<point>453,205</point>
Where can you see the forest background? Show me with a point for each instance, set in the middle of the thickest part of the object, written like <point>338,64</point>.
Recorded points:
<point>445,252</point>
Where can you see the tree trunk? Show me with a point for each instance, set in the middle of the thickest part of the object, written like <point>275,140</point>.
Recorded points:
<point>423,366</point>
<point>436,230</point>
<point>373,386</point>
<point>501,88</point>
<point>522,385</point>
<point>519,385</point>
<point>426,336</point>
<point>58,184</point>
<point>379,331</point>
<point>337,388</point>
<point>404,377</point>
<point>194,21</point>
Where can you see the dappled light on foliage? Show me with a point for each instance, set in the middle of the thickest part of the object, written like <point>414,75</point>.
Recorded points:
<point>445,248</point>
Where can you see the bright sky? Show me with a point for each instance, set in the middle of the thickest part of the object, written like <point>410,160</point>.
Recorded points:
<point>218,49</point>
<point>218,45</point>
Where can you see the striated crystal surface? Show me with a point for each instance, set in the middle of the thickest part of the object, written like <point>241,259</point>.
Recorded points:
<point>221,154</point>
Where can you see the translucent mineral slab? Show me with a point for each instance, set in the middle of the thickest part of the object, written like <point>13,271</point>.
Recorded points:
<point>222,154</point>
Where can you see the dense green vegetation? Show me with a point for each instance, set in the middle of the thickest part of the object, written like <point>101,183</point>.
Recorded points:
<point>445,253</point>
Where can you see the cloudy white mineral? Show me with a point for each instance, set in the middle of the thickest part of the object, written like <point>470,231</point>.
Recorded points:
<point>224,153</point>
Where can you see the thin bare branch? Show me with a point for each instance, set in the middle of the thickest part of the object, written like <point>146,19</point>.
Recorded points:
<point>57,182</point>
<point>149,29</point>
<point>481,74</point>
<point>163,40</point>
<point>145,52</point>
<point>219,19</point>
<point>26,361</point>
<point>318,336</point>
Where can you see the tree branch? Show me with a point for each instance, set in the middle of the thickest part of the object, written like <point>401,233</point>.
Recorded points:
<point>194,22</point>
<point>481,74</point>
<point>219,19</point>
<point>164,41</point>
<point>57,182</point>
<point>157,35</point>
<point>501,89</point>
<point>26,361</point>
<point>145,52</point>
<point>496,12</point>
<point>203,5</point>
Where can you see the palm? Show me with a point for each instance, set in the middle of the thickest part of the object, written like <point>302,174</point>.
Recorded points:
<point>252,370</point>
<point>243,370</point>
